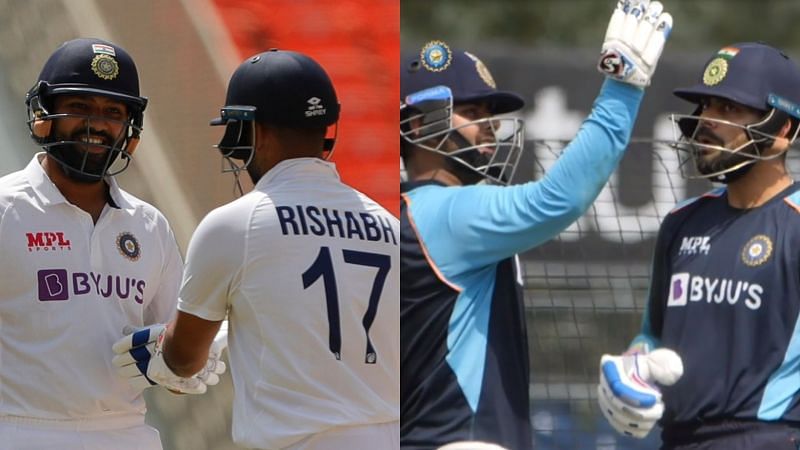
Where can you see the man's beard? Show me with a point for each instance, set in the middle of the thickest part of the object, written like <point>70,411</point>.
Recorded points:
<point>467,170</point>
<point>725,159</point>
<point>92,170</point>
<point>468,175</point>
<point>81,165</point>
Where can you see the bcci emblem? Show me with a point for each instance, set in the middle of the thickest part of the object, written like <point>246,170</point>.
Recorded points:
<point>757,250</point>
<point>436,56</point>
<point>128,246</point>
<point>715,72</point>
<point>105,67</point>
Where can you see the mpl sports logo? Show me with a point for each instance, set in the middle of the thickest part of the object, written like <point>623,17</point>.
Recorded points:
<point>58,284</point>
<point>47,241</point>
<point>695,245</point>
<point>685,287</point>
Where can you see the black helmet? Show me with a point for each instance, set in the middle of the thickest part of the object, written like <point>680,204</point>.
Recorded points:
<point>86,66</point>
<point>276,87</point>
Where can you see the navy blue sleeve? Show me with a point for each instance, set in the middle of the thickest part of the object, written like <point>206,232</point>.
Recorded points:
<point>653,317</point>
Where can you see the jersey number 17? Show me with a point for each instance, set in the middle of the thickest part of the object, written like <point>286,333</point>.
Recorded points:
<point>322,267</point>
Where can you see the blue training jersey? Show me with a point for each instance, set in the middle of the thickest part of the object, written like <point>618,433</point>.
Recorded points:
<point>725,295</point>
<point>464,352</point>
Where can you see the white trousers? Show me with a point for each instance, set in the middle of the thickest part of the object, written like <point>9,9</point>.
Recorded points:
<point>381,436</point>
<point>117,434</point>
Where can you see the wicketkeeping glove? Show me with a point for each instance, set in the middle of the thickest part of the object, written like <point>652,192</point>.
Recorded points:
<point>634,41</point>
<point>627,395</point>
<point>140,359</point>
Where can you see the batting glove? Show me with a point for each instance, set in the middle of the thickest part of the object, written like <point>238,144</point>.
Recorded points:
<point>140,359</point>
<point>634,41</point>
<point>627,394</point>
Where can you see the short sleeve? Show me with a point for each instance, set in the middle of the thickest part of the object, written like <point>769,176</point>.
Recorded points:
<point>162,306</point>
<point>213,263</point>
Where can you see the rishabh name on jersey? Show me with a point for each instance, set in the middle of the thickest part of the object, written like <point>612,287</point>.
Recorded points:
<point>733,309</point>
<point>68,287</point>
<point>307,269</point>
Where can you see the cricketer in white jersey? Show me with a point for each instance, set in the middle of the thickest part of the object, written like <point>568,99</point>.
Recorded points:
<point>68,287</point>
<point>307,269</point>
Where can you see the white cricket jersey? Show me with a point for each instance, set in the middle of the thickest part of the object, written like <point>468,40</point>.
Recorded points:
<point>309,268</point>
<point>67,289</point>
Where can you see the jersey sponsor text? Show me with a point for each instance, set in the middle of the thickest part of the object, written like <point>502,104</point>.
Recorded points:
<point>685,287</point>
<point>695,245</point>
<point>47,241</point>
<point>57,284</point>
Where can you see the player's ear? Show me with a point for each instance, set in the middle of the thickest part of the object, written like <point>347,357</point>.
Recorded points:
<point>40,128</point>
<point>415,125</point>
<point>133,143</point>
<point>780,145</point>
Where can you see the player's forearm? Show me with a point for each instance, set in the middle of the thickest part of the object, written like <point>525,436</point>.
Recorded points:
<point>643,343</point>
<point>184,360</point>
<point>595,152</point>
<point>185,368</point>
<point>510,220</point>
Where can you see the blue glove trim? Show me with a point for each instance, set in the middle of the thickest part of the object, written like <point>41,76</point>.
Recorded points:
<point>142,366</point>
<point>140,337</point>
<point>625,391</point>
<point>141,354</point>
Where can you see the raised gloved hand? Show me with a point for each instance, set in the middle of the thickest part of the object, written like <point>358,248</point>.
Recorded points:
<point>634,41</point>
<point>140,359</point>
<point>627,395</point>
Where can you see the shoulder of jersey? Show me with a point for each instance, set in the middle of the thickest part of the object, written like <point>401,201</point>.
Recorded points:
<point>145,208</point>
<point>12,184</point>
<point>793,200</point>
<point>233,212</point>
<point>374,207</point>
<point>714,193</point>
<point>13,179</point>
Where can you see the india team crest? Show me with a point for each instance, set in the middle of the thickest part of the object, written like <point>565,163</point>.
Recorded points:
<point>105,66</point>
<point>128,246</point>
<point>436,56</point>
<point>715,71</point>
<point>757,250</point>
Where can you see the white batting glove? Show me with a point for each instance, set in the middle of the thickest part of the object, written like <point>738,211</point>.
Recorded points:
<point>634,41</point>
<point>140,359</point>
<point>627,395</point>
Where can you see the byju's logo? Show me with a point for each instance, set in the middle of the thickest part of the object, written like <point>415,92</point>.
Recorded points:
<point>315,107</point>
<point>686,288</point>
<point>53,285</point>
<point>678,288</point>
<point>47,241</point>
<point>57,284</point>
